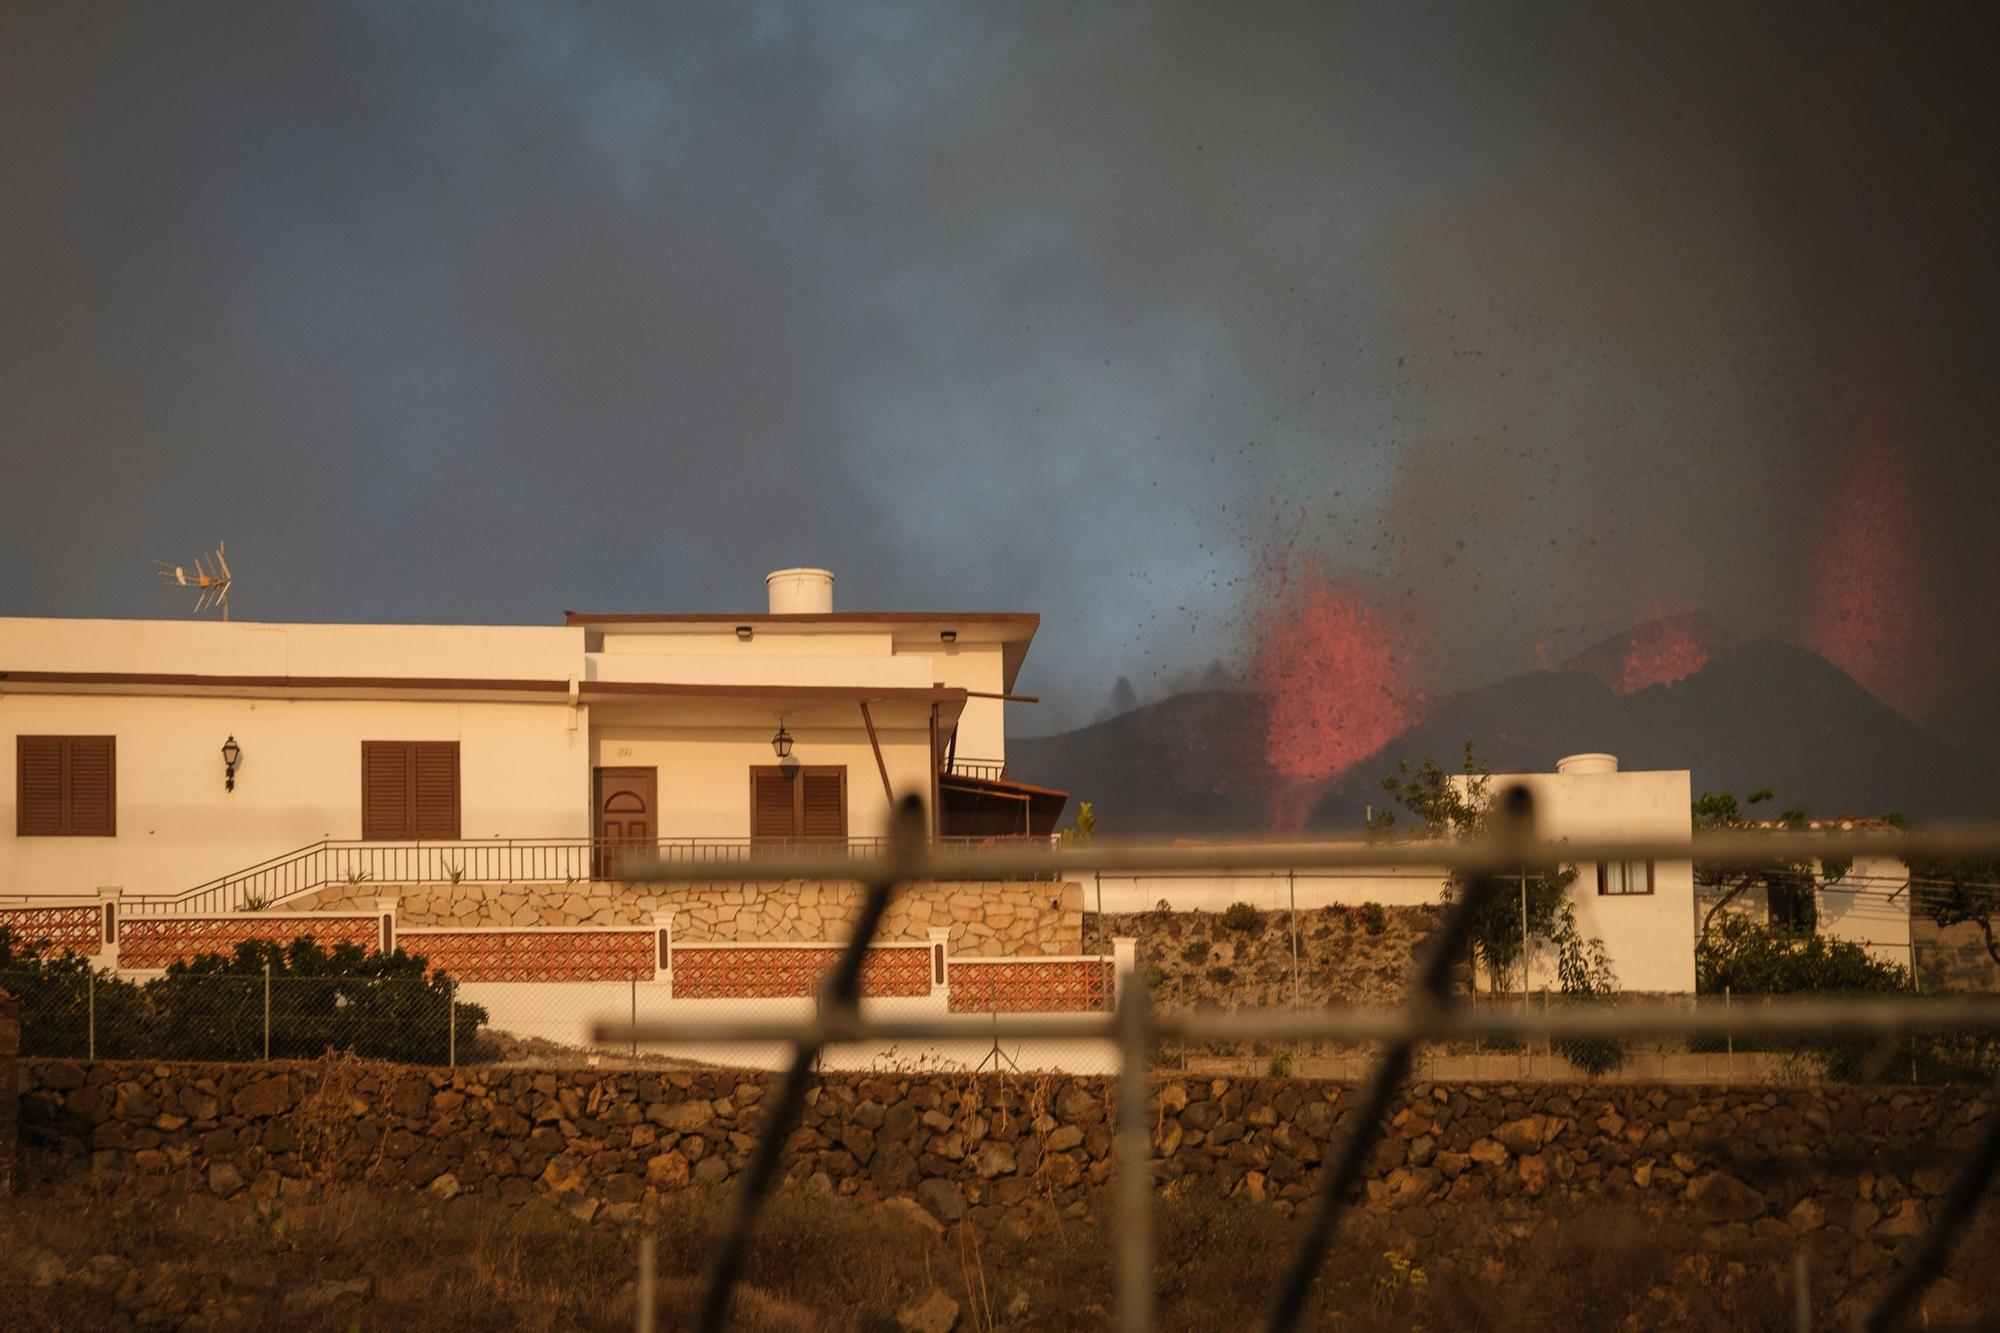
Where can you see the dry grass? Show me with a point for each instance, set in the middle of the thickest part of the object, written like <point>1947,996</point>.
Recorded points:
<point>829,1263</point>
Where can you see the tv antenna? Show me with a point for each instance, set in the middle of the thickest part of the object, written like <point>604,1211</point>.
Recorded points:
<point>210,578</point>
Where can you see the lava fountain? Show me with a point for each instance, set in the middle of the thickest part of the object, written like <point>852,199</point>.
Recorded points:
<point>1334,670</point>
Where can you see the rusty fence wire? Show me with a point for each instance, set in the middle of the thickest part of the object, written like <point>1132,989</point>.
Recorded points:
<point>1431,1013</point>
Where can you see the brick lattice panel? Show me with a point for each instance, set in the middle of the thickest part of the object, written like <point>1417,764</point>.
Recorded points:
<point>152,942</point>
<point>529,955</point>
<point>1032,987</point>
<point>57,929</point>
<point>705,973</point>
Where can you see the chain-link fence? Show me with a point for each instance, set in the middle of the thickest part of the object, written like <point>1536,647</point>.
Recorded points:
<point>80,1013</point>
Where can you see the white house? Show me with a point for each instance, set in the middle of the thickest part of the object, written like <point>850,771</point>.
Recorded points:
<point>1643,912</point>
<point>164,755</point>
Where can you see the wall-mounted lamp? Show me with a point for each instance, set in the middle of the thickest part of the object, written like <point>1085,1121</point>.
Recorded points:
<point>743,632</point>
<point>781,744</point>
<point>231,752</point>
<point>949,635</point>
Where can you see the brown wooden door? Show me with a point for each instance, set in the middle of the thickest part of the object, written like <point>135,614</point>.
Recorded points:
<point>627,816</point>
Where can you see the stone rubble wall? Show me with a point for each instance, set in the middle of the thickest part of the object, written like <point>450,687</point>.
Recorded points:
<point>1345,955</point>
<point>1855,1173</point>
<point>986,918</point>
<point>1953,957</point>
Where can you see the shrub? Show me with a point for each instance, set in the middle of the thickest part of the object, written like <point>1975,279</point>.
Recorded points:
<point>1280,1066</point>
<point>1751,959</point>
<point>1374,918</point>
<point>1155,975</point>
<point>1242,916</point>
<point>59,996</point>
<point>381,1007</point>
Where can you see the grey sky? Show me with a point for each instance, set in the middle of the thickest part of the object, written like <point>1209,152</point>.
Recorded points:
<point>482,311</point>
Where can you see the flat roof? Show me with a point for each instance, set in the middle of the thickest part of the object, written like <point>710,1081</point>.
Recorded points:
<point>1025,620</point>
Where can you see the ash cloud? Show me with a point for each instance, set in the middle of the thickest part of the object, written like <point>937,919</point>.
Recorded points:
<point>1539,320</point>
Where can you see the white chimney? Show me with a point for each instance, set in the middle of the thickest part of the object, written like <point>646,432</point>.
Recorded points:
<point>1587,763</point>
<point>797,592</point>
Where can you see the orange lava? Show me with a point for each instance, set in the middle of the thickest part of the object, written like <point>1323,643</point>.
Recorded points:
<point>1334,669</point>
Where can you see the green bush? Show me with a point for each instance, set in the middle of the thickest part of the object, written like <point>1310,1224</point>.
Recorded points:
<point>1374,918</point>
<point>1280,1066</point>
<point>1242,916</point>
<point>1752,960</point>
<point>381,1007</point>
<point>1155,975</point>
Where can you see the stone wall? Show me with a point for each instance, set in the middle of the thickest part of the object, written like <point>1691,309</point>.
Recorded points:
<point>1953,957</point>
<point>1855,1173</point>
<point>1346,955</point>
<point>986,918</point>
<point>10,1050</point>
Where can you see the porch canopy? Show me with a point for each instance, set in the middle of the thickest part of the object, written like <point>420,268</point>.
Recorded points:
<point>986,807</point>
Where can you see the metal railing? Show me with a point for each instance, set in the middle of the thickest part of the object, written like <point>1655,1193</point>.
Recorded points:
<point>994,769</point>
<point>1429,1014</point>
<point>333,862</point>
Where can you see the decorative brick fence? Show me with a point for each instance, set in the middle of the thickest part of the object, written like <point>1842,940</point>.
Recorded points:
<point>1854,1172</point>
<point>656,953</point>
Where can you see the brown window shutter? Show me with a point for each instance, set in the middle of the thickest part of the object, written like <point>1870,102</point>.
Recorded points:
<point>385,792</point>
<point>93,799</point>
<point>824,804</point>
<point>38,802</point>
<point>773,812</point>
<point>436,787</point>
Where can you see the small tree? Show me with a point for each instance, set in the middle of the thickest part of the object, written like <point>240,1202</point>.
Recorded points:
<point>1953,893</point>
<point>1790,887</point>
<point>1086,824</point>
<point>1459,806</point>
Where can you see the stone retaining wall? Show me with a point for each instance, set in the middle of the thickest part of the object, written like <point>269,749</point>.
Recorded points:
<point>1853,1172</point>
<point>1344,955</point>
<point>988,918</point>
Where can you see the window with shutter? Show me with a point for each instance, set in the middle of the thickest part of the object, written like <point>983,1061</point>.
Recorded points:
<point>771,804</point>
<point>823,804</point>
<point>798,802</point>
<point>66,786</point>
<point>409,790</point>
<point>435,783</point>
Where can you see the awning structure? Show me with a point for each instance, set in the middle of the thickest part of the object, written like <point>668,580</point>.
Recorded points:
<point>971,807</point>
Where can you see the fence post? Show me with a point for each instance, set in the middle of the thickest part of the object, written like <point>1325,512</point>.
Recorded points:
<point>663,947</point>
<point>635,1012</point>
<point>267,1010</point>
<point>90,1003</point>
<point>940,937</point>
<point>108,896</point>
<point>1728,1043</point>
<point>1292,889</point>
<point>385,913</point>
<point>645,1303</point>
